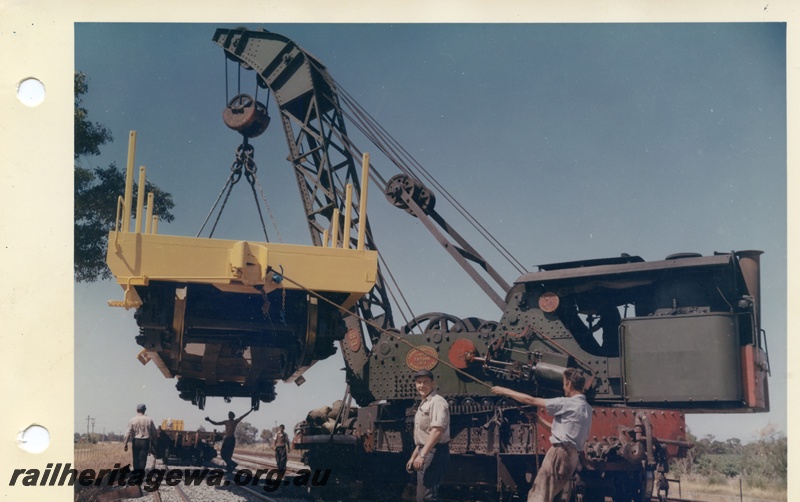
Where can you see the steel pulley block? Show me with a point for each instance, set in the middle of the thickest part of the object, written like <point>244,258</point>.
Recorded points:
<point>246,116</point>
<point>401,186</point>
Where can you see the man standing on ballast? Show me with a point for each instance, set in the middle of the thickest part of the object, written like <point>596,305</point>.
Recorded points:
<point>572,419</point>
<point>142,432</point>
<point>431,456</point>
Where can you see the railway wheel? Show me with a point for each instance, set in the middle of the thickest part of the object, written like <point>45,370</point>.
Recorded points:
<point>648,483</point>
<point>634,486</point>
<point>199,399</point>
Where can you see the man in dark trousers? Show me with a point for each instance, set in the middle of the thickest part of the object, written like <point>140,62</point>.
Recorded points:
<point>572,419</point>
<point>281,444</point>
<point>142,432</point>
<point>431,435</point>
<point>229,438</point>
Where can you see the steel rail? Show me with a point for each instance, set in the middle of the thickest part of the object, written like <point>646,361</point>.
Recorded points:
<point>182,494</point>
<point>255,493</point>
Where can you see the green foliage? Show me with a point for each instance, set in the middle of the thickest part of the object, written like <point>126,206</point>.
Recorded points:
<point>89,137</point>
<point>767,458</point>
<point>96,192</point>
<point>245,433</point>
<point>761,464</point>
<point>729,465</point>
<point>266,435</point>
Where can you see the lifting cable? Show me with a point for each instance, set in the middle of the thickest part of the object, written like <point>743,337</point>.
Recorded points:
<point>257,182</point>
<point>243,164</point>
<point>380,182</point>
<point>234,177</point>
<point>269,210</point>
<point>441,189</point>
<point>399,292</point>
<point>225,60</point>
<point>389,146</point>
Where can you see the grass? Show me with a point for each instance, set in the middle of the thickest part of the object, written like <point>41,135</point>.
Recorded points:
<point>100,456</point>
<point>695,486</point>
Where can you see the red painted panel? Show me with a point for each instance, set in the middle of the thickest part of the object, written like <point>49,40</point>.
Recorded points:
<point>754,377</point>
<point>606,421</point>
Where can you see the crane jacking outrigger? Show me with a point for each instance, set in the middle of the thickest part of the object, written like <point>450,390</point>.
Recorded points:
<point>230,318</point>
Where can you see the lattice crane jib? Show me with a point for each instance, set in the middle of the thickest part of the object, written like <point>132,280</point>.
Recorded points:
<point>323,158</point>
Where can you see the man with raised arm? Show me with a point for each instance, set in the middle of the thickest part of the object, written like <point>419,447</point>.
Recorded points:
<point>229,438</point>
<point>572,419</point>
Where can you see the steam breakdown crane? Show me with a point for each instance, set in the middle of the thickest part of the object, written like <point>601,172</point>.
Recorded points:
<point>643,332</point>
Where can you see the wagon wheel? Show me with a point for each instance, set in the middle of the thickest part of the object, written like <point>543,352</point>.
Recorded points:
<point>199,399</point>
<point>636,486</point>
<point>197,457</point>
<point>648,483</point>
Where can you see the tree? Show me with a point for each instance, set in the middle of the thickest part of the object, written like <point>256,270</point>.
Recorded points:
<point>245,433</point>
<point>96,193</point>
<point>266,435</point>
<point>767,458</point>
<point>89,137</point>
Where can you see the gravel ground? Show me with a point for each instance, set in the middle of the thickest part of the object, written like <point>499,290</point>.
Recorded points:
<point>205,493</point>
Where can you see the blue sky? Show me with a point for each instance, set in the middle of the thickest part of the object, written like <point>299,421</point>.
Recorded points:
<point>567,141</point>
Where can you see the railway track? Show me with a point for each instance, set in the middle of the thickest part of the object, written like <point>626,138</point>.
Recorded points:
<point>178,491</point>
<point>264,462</point>
<point>232,490</point>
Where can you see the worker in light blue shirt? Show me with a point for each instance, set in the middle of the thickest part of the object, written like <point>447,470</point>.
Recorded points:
<point>572,419</point>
